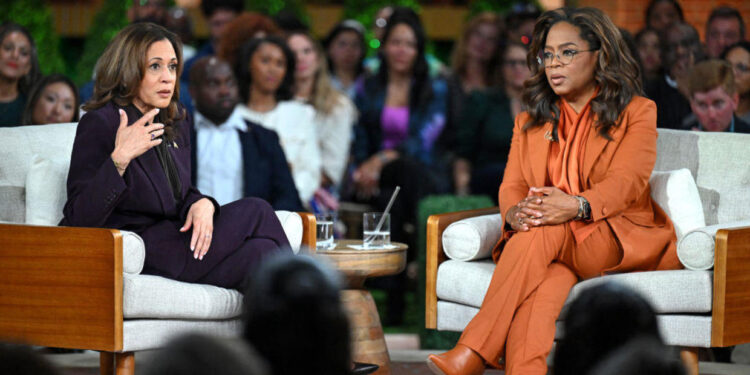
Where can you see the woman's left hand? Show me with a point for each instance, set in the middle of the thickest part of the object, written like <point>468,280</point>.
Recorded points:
<point>556,207</point>
<point>201,218</point>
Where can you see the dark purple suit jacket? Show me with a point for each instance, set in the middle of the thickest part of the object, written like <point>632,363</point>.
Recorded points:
<point>141,200</point>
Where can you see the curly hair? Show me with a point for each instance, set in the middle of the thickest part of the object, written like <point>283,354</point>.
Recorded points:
<point>120,70</point>
<point>245,77</point>
<point>616,74</point>
<point>244,27</point>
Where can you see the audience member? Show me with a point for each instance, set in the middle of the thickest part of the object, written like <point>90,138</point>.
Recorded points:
<point>714,98</point>
<point>640,356</point>
<point>590,335</point>
<point>346,49</point>
<point>19,70</point>
<point>293,316</point>
<point>52,100</point>
<point>476,65</point>
<point>199,354</point>
<point>22,360</point>
<point>154,11</point>
<point>519,22</point>
<point>232,157</point>
<point>130,168</point>
<point>243,28</point>
<point>218,14</point>
<point>334,112</point>
<point>289,22</point>
<point>178,21</point>
<point>723,28</point>
<point>265,72</point>
<point>402,113</point>
<point>486,127</point>
<point>739,56</point>
<point>681,49</point>
<point>649,52</point>
<point>662,14</point>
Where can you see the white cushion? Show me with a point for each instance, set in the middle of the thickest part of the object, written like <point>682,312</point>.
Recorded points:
<point>677,194</point>
<point>292,224</point>
<point>148,296</point>
<point>696,248</point>
<point>145,334</point>
<point>45,190</point>
<point>472,238</point>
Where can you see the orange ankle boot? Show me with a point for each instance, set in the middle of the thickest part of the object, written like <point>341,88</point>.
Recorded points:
<point>460,360</point>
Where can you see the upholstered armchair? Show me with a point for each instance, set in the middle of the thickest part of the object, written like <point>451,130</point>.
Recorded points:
<point>82,288</point>
<point>702,180</point>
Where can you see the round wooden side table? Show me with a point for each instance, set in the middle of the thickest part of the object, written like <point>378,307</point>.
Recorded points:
<point>368,343</point>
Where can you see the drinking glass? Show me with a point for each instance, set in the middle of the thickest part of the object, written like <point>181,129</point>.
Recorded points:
<point>375,237</point>
<point>324,231</point>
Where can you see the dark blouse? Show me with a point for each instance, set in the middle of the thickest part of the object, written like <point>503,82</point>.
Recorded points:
<point>486,127</point>
<point>11,112</point>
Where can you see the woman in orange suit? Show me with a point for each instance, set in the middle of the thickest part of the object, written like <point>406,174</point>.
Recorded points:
<point>575,195</point>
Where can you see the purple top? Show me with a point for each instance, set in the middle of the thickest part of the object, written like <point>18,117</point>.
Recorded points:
<point>395,125</point>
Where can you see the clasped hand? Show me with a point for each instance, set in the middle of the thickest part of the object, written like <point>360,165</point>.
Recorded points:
<point>201,218</point>
<point>542,206</point>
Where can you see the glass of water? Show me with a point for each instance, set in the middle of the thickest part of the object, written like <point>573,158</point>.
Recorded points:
<point>324,232</point>
<point>375,237</point>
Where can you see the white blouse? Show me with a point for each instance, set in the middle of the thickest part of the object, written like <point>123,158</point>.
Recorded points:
<point>335,138</point>
<point>294,123</point>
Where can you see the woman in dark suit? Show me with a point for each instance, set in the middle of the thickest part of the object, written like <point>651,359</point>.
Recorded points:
<point>130,169</point>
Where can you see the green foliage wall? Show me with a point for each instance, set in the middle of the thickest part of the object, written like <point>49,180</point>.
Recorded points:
<point>36,16</point>
<point>109,20</point>
<point>273,7</point>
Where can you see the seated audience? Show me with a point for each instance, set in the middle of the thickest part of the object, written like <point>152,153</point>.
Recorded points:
<point>334,112</point>
<point>681,49</point>
<point>590,335</point>
<point>243,28</point>
<point>19,70</point>
<point>662,14</point>
<point>294,318</point>
<point>22,360</point>
<point>739,56</point>
<point>53,100</point>
<point>486,128</point>
<point>179,22</point>
<point>520,21</point>
<point>232,157</point>
<point>346,50</point>
<point>218,14</point>
<point>476,66</point>
<point>724,28</point>
<point>130,169</point>
<point>154,11</point>
<point>640,356</point>
<point>402,113</point>
<point>714,98</point>
<point>649,51</point>
<point>266,78</point>
<point>199,354</point>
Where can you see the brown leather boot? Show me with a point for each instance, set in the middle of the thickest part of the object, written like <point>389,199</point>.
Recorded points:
<point>460,360</point>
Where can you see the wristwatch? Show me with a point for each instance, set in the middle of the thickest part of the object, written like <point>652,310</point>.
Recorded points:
<point>584,209</point>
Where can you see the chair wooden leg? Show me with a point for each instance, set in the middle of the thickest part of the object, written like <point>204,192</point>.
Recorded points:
<point>117,363</point>
<point>689,358</point>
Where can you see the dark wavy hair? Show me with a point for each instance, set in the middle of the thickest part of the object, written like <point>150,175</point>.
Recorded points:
<point>26,82</point>
<point>616,74</point>
<point>421,88</point>
<point>120,70</point>
<point>36,93</point>
<point>347,25</point>
<point>242,70</point>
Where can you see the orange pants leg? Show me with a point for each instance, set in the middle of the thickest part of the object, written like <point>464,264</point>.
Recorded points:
<point>532,330</point>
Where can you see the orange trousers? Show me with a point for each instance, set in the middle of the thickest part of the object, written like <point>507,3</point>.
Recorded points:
<point>529,286</point>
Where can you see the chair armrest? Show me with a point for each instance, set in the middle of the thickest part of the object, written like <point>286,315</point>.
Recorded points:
<point>61,286</point>
<point>309,234</point>
<point>731,307</point>
<point>435,255</point>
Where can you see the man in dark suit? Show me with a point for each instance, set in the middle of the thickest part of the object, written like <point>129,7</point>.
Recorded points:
<point>232,157</point>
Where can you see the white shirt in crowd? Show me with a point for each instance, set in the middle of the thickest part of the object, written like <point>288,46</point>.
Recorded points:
<point>335,138</point>
<point>220,171</point>
<point>294,123</point>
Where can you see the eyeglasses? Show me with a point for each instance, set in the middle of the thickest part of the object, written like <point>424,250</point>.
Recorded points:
<point>546,58</point>
<point>741,68</point>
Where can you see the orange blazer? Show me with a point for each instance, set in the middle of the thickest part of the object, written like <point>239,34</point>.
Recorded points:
<point>616,174</point>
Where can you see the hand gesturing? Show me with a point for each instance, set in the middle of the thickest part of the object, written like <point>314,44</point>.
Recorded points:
<point>132,141</point>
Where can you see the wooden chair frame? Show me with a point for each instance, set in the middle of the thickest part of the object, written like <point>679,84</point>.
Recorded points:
<point>730,315</point>
<point>62,287</point>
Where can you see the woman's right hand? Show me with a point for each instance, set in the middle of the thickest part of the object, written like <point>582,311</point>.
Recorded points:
<point>132,141</point>
<point>521,217</point>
